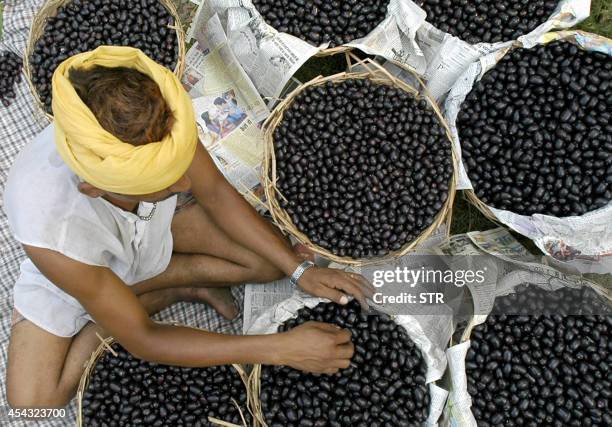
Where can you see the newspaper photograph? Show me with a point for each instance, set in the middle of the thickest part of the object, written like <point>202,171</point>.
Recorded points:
<point>228,110</point>
<point>515,265</point>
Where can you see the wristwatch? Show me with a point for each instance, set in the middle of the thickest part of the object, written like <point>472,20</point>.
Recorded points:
<point>299,271</point>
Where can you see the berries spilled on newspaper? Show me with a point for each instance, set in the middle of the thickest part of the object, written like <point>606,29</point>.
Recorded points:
<point>547,369</point>
<point>320,21</point>
<point>363,168</point>
<point>83,25</point>
<point>384,386</point>
<point>488,21</point>
<point>536,131</point>
<point>10,72</point>
<point>124,391</point>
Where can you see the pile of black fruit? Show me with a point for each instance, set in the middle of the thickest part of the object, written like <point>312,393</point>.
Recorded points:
<point>535,131</point>
<point>548,369</point>
<point>534,300</point>
<point>83,25</point>
<point>10,72</point>
<point>124,390</point>
<point>385,385</point>
<point>363,168</point>
<point>320,21</point>
<point>488,21</point>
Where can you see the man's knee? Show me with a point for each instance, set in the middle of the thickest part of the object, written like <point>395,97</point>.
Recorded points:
<point>23,396</point>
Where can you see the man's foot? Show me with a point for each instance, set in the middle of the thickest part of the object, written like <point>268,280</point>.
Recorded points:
<point>220,299</point>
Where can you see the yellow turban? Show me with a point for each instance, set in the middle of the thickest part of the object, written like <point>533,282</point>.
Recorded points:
<point>101,159</point>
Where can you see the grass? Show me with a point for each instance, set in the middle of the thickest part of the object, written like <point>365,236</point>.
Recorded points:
<point>600,21</point>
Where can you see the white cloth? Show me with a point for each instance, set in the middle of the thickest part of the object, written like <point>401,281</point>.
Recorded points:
<point>46,210</point>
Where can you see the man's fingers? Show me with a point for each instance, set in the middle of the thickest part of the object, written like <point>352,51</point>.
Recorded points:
<point>341,336</point>
<point>365,283</point>
<point>327,327</point>
<point>367,291</point>
<point>341,363</point>
<point>333,294</point>
<point>348,286</point>
<point>345,351</point>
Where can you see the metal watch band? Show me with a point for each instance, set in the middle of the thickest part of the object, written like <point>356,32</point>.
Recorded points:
<point>299,271</point>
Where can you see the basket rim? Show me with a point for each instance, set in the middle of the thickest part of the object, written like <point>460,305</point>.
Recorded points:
<point>279,215</point>
<point>49,9</point>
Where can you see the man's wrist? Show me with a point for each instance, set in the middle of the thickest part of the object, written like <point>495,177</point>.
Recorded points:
<point>279,346</point>
<point>299,271</point>
<point>291,265</point>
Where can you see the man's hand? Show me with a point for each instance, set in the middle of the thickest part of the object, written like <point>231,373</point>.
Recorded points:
<point>319,348</point>
<point>335,285</point>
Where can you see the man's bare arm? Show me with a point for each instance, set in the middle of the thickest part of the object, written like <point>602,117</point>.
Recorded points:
<point>243,224</point>
<point>117,310</point>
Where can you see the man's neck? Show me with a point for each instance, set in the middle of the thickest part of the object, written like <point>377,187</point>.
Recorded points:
<point>122,204</point>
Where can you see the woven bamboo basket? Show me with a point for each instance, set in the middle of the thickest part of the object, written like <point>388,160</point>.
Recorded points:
<point>376,74</point>
<point>50,8</point>
<point>105,347</point>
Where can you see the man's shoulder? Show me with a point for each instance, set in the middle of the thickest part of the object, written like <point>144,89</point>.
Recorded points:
<point>38,171</point>
<point>39,186</point>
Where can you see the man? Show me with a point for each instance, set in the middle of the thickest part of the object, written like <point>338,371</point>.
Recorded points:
<point>92,200</point>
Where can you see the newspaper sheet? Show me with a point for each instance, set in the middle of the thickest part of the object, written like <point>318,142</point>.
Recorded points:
<point>260,297</point>
<point>518,267</point>
<point>228,110</point>
<point>583,242</point>
<point>270,58</point>
<point>448,56</point>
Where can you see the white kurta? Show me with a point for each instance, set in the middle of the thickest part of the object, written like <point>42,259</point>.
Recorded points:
<point>46,210</point>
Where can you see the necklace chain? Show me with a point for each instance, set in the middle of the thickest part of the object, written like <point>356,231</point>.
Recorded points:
<point>148,217</point>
